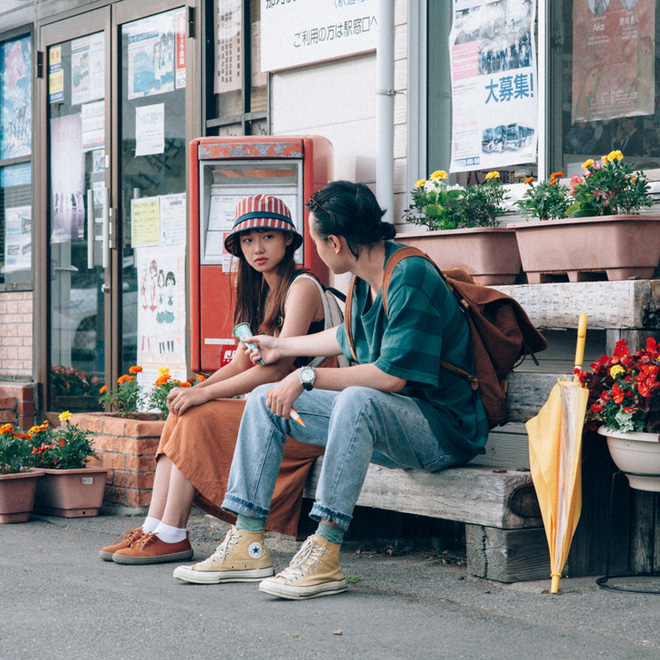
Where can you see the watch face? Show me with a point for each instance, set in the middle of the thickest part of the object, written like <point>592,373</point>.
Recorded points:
<point>306,374</point>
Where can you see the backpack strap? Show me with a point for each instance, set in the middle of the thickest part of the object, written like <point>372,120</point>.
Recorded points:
<point>347,318</point>
<point>409,251</point>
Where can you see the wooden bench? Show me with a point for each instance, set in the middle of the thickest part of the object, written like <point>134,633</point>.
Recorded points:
<point>494,495</point>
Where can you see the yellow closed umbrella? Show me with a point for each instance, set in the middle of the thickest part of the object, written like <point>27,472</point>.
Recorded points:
<point>555,448</point>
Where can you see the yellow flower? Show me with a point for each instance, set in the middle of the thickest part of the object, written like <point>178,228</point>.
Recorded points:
<point>617,370</point>
<point>605,159</point>
<point>587,163</point>
<point>163,370</point>
<point>6,428</point>
<point>420,184</point>
<point>438,175</point>
<point>65,416</point>
<point>492,175</point>
<point>615,155</point>
<point>633,179</point>
<point>34,430</point>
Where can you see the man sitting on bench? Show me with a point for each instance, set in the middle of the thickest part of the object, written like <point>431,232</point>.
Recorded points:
<point>397,406</point>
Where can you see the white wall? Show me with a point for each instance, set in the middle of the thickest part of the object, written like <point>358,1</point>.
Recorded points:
<point>338,101</point>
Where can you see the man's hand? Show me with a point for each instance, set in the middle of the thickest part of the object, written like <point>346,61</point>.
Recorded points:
<point>267,349</point>
<point>280,397</point>
<point>181,399</point>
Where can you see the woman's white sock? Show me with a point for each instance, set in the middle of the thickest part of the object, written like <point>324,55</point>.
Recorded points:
<point>150,524</point>
<point>169,534</point>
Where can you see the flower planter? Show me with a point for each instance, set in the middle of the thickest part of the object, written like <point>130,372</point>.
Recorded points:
<point>636,454</point>
<point>17,491</point>
<point>74,493</point>
<point>489,254</point>
<point>617,247</point>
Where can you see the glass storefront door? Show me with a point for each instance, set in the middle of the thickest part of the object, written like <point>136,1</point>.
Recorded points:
<point>76,117</point>
<point>114,113</point>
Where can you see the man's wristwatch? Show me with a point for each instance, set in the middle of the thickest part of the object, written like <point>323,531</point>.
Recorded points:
<point>307,376</point>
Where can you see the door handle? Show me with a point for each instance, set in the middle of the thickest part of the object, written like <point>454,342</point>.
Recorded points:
<point>106,227</point>
<point>105,288</point>
<point>90,229</point>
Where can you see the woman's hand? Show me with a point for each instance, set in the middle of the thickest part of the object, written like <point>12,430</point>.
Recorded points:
<point>181,399</point>
<point>280,397</point>
<point>266,349</point>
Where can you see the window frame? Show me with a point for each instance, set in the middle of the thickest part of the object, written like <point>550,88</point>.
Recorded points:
<point>211,122</point>
<point>13,35</point>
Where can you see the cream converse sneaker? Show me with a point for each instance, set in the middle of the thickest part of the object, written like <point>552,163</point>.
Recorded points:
<point>241,557</point>
<point>314,571</point>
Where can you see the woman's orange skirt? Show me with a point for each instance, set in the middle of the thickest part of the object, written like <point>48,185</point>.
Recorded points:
<point>201,444</point>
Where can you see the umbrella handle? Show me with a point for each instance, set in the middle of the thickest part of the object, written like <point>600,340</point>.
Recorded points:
<point>581,339</point>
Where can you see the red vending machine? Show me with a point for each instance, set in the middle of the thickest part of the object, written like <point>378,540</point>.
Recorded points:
<point>224,170</point>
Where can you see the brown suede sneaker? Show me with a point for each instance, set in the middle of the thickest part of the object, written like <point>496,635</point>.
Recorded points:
<point>314,571</point>
<point>241,557</point>
<point>126,539</point>
<point>149,549</point>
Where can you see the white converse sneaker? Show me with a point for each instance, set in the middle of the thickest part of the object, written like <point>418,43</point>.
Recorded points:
<point>314,571</point>
<point>241,557</point>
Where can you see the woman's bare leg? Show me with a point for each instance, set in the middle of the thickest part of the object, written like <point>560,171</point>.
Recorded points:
<point>180,496</point>
<point>159,492</point>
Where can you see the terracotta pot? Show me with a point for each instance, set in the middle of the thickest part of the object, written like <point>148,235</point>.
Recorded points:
<point>616,247</point>
<point>74,493</point>
<point>488,254</point>
<point>637,455</point>
<point>17,493</point>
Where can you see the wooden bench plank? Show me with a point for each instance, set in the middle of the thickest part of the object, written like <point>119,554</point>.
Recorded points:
<point>469,494</point>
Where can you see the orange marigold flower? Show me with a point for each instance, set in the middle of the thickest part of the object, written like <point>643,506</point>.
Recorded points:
<point>529,179</point>
<point>125,379</point>
<point>557,175</point>
<point>103,390</point>
<point>162,380</point>
<point>185,384</point>
<point>201,377</point>
<point>62,442</point>
<point>6,428</point>
<point>135,370</point>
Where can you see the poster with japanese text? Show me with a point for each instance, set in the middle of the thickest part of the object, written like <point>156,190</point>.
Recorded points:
<point>180,44</point>
<point>228,67</point>
<point>15,99</point>
<point>161,314</point>
<point>307,31</point>
<point>145,221</point>
<point>67,171</point>
<point>494,84</point>
<point>150,129</point>
<point>613,59</point>
<point>18,238</point>
<point>55,75</point>
<point>87,68</point>
<point>151,55</point>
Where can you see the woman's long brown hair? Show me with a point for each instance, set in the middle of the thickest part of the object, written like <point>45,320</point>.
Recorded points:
<point>255,304</point>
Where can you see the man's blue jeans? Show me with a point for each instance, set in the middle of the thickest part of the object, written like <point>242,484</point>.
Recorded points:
<point>357,426</point>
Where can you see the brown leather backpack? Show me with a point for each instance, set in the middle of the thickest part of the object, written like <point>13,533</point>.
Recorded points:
<point>501,332</point>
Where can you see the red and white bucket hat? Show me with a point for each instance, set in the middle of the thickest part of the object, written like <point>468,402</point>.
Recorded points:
<point>261,212</point>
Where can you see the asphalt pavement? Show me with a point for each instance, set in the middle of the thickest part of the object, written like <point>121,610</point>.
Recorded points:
<point>59,600</point>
